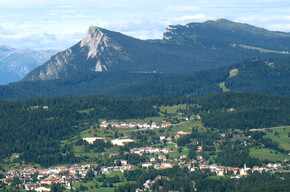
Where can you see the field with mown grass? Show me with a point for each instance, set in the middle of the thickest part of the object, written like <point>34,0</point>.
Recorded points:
<point>92,184</point>
<point>269,154</point>
<point>280,135</point>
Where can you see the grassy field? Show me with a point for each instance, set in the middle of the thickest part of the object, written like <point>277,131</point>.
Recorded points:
<point>145,120</point>
<point>176,154</point>
<point>89,133</point>
<point>172,109</point>
<point>268,154</point>
<point>223,87</point>
<point>171,146</point>
<point>114,173</point>
<point>261,49</point>
<point>91,185</point>
<point>282,138</point>
<point>233,72</point>
<point>80,153</point>
<point>86,111</point>
<point>90,155</point>
<point>187,126</point>
<point>5,166</point>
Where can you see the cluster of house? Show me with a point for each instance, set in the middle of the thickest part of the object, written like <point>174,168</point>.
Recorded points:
<point>236,172</point>
<point>64,175</point>
<point>213,168</point>
<point>150,150</point>
<point>44,178</point>
<point>200,164</point>
<point>148,183</point>
<point>123,165</point>
<point>153,125</point>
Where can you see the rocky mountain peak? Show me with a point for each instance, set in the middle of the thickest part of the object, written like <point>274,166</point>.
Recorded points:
<point>94,39</point>
<point>98,51</point>
<point>170,30</point>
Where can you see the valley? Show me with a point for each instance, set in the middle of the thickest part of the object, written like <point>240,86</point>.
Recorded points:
<point>171,133</point>
<point>205,108</point>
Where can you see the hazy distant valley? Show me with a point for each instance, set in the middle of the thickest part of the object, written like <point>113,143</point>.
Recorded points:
<point>16,63</point>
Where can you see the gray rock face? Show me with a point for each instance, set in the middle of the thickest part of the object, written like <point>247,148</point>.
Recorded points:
<point>95,52</point>
<point>98,43</point>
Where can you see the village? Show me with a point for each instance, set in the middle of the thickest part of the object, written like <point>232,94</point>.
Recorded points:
<point>41,180</point>
<point>167,155</point>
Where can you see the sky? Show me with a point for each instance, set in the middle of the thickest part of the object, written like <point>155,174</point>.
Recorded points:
<point>59,24</point>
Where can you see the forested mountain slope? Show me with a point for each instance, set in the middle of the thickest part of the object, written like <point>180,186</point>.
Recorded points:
<point>268,76</point>
<point>265,76</point>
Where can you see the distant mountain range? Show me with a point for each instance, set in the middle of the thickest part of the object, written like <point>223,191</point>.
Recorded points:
<point>16,63</point>
<point>184,49</point>
<point>191,60</point>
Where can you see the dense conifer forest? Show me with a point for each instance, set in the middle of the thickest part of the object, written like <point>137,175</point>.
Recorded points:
<point>35,127</point>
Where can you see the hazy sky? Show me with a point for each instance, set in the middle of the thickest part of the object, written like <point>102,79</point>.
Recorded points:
<point>59,24</point>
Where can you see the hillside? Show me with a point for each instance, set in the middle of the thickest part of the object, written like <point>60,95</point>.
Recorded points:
<point>268,76</point>
<point>265,76</point>
<point>214,33</point>
<point>37,128</point>
<point>184,49</point>
<point>78,85</point>
<point>244,111</point>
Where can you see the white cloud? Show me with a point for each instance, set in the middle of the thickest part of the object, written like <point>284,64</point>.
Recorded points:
<point>145,34</point>
<point>198,17</point>
<point>4,31</point>
<point>78,16</point>
<point>143,29</point>
<point>185,20</point>
<point>24,3</point>
<point>181,8</point>
<point>153,29</point>
<point>41,40</point>
<point>68,20</point>
<point>279,27</point>
<point>274,23</point>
